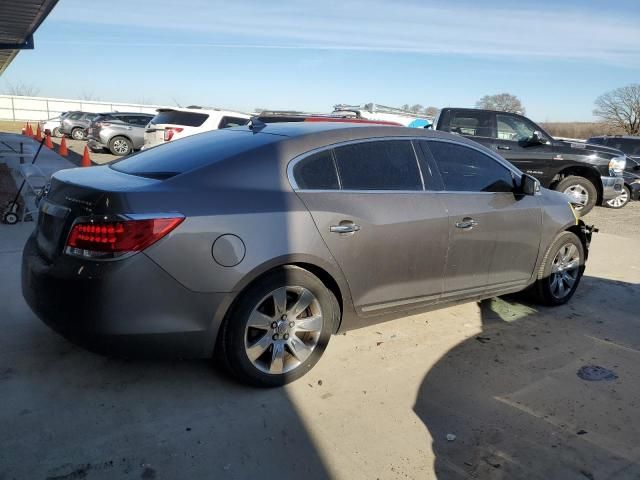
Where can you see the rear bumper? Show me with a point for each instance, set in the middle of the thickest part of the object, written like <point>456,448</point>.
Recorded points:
<point>611,187</point>
<point>130,307</point>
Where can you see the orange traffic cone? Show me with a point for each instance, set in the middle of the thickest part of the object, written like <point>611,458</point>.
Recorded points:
<point>48,143</point>
<point>25,130</point>
<point>62,151</point>
<point>29,130</point>
<point>86,161</point>
<point>39,134</point>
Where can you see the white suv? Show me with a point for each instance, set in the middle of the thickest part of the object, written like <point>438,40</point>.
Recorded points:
<point>174,123</point>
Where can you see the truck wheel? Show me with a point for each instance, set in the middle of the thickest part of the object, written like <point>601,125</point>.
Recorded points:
<point>560,271</point>
<point>581,191</point>
<point>621,200</point>
<point>120,146</point>
<point>57,132</point>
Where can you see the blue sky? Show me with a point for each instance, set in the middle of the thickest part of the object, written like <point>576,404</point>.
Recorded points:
<point>557,56</point>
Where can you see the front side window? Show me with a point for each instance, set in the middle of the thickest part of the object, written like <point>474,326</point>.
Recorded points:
<point>380,165</point>
<point>471,123</point>
<point>514,128</point>
<point>316,172</point>
<point>464,169</point>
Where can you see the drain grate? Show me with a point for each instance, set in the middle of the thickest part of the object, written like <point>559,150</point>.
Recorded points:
<point>595,373</point>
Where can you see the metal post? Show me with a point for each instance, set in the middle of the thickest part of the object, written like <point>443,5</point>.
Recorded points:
<point>21,153</point>
<point>13,109</point>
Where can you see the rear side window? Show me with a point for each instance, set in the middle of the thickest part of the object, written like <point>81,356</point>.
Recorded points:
<point>316,172</point>
<point>465,169</point>
<point>75,116</point>
<point>381,165</point>
<point>472,123</point>
<point>227,122</point>
<point>192,152</point>
<point>175,117</point>
<point>596,140</point>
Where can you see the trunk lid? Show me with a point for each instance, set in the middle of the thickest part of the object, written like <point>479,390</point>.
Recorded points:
<point>81,192</point>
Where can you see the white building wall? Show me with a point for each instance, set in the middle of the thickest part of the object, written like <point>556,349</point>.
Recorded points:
<point>20,108</point>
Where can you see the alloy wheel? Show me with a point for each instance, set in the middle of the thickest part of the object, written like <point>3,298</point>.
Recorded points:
<point>579,194</point>
<point>564,271</point>
<point>283,329</point>
<point>120,146</point>
<point>620,201</point>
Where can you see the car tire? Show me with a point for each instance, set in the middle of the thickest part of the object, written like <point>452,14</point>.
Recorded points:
<point>556,282</point>
<point>57,132</point>
<point>78,134</point>
<point>621,200</point>
<point>582,190</point>
<point>265,341</point>
<point>120,146</point>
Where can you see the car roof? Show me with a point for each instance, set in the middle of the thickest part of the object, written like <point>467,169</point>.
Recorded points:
<point>208,111</point>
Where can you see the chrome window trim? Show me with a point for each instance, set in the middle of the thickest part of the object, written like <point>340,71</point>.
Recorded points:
<point>294,161</point>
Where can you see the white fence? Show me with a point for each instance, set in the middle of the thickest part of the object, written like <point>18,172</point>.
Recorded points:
<point>40,108</point>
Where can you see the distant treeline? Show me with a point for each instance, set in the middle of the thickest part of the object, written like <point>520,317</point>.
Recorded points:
<point>582,130</point>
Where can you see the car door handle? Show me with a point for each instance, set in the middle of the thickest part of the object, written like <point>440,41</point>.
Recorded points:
<point>467,223</point>
<point>344,228</point>
<point>503,147</point>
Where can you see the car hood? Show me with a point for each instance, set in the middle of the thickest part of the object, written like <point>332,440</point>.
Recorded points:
<point>590,147</point>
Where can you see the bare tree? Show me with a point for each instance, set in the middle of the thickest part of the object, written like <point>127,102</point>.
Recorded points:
<point>22,89</point>
<point>405,107</point>
<point>416,108</point>
<point>503,102</point>
<point>620,108</point>
<point>431,111</point>
<point>89,96</point>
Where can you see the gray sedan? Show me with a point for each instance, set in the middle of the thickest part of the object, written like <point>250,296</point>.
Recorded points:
<point>255,244</point>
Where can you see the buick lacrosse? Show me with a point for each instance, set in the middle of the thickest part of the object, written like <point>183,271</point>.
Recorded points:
<point>253,245</point>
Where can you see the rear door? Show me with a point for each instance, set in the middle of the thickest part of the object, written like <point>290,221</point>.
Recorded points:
<point>388,235</point>
<point>494,233</point>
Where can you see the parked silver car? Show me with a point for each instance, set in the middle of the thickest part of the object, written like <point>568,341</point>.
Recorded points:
<point>256,244</point>
<point>121,133</point>
<point>75,124</point>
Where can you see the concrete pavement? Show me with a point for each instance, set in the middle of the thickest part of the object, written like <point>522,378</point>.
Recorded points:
<point>500,376</point>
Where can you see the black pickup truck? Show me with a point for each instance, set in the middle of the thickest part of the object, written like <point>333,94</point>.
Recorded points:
<point>590,174</point>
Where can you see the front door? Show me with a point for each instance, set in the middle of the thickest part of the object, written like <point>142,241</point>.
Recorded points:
<point>387,234</point>
<point>513,133</point>
<point>495,233</point>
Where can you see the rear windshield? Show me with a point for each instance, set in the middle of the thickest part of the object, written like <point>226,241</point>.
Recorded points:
<point>175,117</point>
<point>192,152</point>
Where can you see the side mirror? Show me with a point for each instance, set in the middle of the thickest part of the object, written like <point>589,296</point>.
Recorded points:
<point>536,138</point>
<point>529,185</point>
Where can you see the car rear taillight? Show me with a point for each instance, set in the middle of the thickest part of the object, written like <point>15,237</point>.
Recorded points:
<point>100,239</point>
<point>170,132</point>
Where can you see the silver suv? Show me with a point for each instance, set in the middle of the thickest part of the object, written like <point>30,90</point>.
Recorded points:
<point>75,124</point>
<point>120,133</point>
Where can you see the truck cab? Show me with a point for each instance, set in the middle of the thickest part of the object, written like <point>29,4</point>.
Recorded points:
<point>589,174</point>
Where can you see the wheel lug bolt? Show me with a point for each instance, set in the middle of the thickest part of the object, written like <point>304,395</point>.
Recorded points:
<point>286,336</point>
<point>284,317</point>
<point>275,336</point>
<point>274,325</point>
<point>292,324</point>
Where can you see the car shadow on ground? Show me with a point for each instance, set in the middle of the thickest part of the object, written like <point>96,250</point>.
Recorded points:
<point>507,403</point>
<point>67,413</point>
